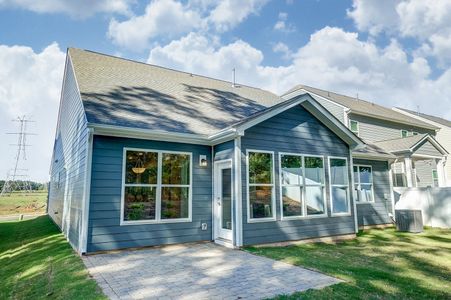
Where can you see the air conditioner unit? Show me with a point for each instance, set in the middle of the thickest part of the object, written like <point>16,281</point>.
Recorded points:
<point>409,220</point>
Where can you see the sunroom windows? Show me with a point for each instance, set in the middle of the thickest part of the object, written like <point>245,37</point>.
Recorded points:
<point>363,182</point>
<point>339,186</point>
<point>302,185</point>
<point>260,185</point>
<point>156,186</point>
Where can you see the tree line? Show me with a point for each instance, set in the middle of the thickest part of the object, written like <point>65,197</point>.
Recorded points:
<point>35,186</point>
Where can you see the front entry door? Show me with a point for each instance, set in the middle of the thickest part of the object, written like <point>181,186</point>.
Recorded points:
<point>223,200</point>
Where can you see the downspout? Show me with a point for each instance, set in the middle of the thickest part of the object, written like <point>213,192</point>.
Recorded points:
<point>83,245</point>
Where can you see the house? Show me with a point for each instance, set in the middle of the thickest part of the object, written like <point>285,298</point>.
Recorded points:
<point>146,156</point>
<point>401,151</point>
<point>443,136</point>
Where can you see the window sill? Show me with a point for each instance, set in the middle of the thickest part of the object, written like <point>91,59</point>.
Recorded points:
<point>262,220</point>
<point>346,214</point>
<point>304,217</point>
<point>127,223</point>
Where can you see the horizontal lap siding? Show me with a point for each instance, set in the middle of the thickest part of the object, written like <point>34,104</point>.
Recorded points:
<point>427,149</point>
<point>297,131</point>
<point>224,150</point>
<point>377,212</point>
<point>374,130</point>
<point>334,109</point>
<point>423,172</point>
<point>104,231</point>
<point>69,162</point>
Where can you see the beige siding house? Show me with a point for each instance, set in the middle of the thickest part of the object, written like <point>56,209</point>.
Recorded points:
<point>443,135</point>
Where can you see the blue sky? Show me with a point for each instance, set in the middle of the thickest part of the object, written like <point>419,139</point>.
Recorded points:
<point>396,53</point>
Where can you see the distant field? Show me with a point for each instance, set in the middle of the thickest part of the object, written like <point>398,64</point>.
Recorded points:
<point>18,203</point>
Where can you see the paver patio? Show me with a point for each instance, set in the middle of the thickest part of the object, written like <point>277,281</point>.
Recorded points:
<point>198,271</point>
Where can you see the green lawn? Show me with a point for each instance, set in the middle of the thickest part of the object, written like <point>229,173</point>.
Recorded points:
<point>379,264</point>
<point>23,203</point>
<point>36,262</point>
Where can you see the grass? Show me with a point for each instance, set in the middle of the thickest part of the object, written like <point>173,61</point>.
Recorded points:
<point>36,262</point>
<point>19,203</point>
<point>378,264</point>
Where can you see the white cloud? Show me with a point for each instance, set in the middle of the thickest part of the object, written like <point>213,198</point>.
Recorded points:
<point>229,13</point>
<point>283,49</point>
<point>166,18</point>
<point>30,84</point>
<point>427,21</point>
<point>78,9</point>
<point>282,25</point>
<point>332,59</point>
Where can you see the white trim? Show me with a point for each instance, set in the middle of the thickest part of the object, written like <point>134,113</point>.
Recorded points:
<point>86,196</point>
<point>226,164</point>
<point>331,200</point>
<point>379,157</point>
<point>212,192</point>
<point>358,126</point>
<point>304,186</point>
<point>354,206</point>
<point>426,156</point>
<point>392,190</point>
<point>158,185</point>
<point>359,183</point>
<point>238,192</point>
<point>273,185</point>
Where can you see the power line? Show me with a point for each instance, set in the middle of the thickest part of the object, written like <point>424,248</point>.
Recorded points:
<point>12,182</point>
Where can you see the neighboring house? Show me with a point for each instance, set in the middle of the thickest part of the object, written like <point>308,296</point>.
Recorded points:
<point>146,156</point>
<point>443,137</point>
<point>398,146</point>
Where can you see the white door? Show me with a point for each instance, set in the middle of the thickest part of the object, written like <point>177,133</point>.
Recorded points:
<point>223,200</point>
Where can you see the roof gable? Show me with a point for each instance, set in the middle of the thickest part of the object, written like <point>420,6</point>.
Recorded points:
<point>410,144</point>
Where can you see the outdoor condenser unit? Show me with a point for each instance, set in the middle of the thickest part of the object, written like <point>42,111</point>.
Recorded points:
<point>409,220</point>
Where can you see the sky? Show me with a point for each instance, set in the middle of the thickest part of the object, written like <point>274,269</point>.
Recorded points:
<point>391,52</point>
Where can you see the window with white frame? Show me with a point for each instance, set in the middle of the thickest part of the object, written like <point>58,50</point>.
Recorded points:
<point>339,185</point>
<point>156,186</point>
<point>314,185</point>
<point>354,126</point>
<point>302,185</point>
<point>292,185</point>
<point>404,133</point>
<point>260,178</point>
<point>363,183</point>
<point>435,178</point>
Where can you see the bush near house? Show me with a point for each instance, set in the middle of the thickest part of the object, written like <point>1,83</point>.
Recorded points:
<point>378,264</point>
<point>36,262</point>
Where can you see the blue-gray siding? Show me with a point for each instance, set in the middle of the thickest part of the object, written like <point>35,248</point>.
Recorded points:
<point>105,232</point>
<point>376,213</point>
<point>296,131</point>
<point>68,166</point>
<point>374,130</point>
<point>224,150</point>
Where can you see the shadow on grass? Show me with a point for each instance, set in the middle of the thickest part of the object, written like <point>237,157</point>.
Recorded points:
<point>379,264</point>
<point>36,262</point>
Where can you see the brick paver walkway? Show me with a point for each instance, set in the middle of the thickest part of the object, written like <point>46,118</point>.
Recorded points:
<point>198,271</point>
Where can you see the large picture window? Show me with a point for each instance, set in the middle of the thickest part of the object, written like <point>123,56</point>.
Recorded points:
<point>339,186</point>
<point>302,185</point>
<point>363,182</point>
<point>260,176</point>
<point>156,186</point>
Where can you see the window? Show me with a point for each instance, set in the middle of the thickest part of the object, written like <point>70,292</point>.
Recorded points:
<point>414,133</point>
<point>363,179</point>
<point>434,178</point>
<point>157,186</point>
<point>302,185</point>
<point>404,133</point>
<point>399,178</point>
<point>354,126</point>
<point>339,186</point>
<point>260,185</point>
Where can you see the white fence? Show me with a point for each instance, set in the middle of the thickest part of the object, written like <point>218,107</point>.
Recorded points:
<point>435,204</point>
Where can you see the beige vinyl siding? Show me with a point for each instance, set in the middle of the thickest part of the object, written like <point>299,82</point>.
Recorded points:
<point>423,171</point>
<point>374,130</point>
<point>427,149</point>
<point>336,110</point>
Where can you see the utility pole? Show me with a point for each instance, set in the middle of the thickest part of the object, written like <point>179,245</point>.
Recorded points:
<point>17,178</point>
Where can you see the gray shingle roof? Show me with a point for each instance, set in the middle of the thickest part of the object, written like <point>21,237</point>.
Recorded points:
<point>373,150</point>
<point>429,117</point>
<point>366,108</point>
<point>126,93</point>
<point>400,144</point>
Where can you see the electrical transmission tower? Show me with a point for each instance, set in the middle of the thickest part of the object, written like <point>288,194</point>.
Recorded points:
<point>17,178</point>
